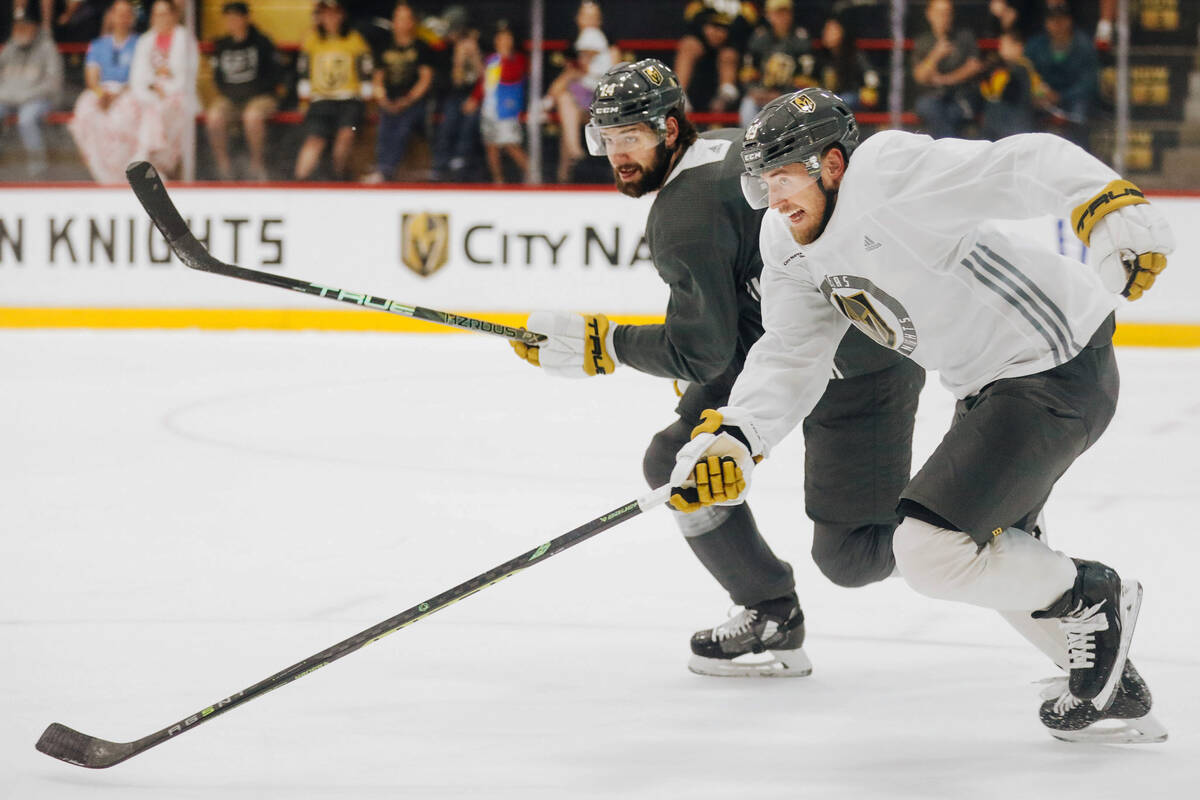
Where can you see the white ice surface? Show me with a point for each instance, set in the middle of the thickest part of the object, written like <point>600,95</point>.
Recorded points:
<point>185,514</point>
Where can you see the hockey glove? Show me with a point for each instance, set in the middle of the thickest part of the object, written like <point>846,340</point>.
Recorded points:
<point>1130,239</point>
<point>577,345</point>
<point>714,467</point>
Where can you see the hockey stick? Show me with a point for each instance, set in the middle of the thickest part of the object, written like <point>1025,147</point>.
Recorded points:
<point>78,748</point>
<point>148,187</point>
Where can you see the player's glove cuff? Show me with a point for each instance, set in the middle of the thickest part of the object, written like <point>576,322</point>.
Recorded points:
<point>1116,195</point>
<point>576,345</point>
<point>738,424</point>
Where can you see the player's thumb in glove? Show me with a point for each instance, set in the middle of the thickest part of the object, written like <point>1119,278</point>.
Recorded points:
<point>714,467</point>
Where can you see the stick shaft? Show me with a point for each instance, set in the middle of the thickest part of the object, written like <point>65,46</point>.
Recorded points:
<point>148,187</point>
<point>76,748</point>
<point>414,614</point>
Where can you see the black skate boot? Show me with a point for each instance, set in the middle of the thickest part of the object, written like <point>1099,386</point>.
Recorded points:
<point>1097,615</point>
<point>1127,721</point>
<point>772,630</point>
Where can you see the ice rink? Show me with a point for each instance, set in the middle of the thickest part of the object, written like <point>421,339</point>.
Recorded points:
<point>187,513</point>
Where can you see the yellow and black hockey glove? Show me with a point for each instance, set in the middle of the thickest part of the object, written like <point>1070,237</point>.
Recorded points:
<point>576,346</point>
<point>1129,238</point>
<point>714,467</point>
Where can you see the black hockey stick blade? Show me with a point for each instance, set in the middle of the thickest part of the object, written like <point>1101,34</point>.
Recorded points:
<point>67,744</point>
<point>148,186</point>
<point>73,747</point>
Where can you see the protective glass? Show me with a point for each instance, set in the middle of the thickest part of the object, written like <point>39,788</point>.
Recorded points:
<point>759,190</point>
<point>620,139</point>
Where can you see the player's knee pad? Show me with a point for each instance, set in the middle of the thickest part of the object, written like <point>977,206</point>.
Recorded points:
<point>932,559</point>
<point>853,555</point>
<point>1013,572</point>
<point>657,462</point>
<point>659,459</point>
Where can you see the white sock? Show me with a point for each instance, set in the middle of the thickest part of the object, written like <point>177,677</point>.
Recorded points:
<point>1015,572</point>
<point>1044,634</point>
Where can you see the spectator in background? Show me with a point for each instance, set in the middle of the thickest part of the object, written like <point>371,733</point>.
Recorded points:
<point>945,64</point>
<point>1065,58</point>
<point>79,20</point>
<point>163,79</point>
<point>457,134</point>
<point>778,60</point>
<point>335,70</point>
<point>31,76</point>
<point>1022,16</point>
<point>105,122</point>
<point>1009,90</point>
<point>844,69</point>
<point>246,74</point>
<point>372,19</point>
<point>41,12</point>
<point>572,90</point>
<point>709,53</point>
<point>1108,18</point>
<point>402,80</point>
<point>500,97</point>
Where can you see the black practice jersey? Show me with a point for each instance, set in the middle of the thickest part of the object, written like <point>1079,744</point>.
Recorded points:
<point>703,237</point>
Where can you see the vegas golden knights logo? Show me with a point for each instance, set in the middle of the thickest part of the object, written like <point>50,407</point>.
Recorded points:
<point>858,309</point>
<point>424,242</point>
<point>332,72</point>
<point>654,75</point>
<point>805,103</point>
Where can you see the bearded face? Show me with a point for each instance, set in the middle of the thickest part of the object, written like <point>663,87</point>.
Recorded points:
<point>636,177</point>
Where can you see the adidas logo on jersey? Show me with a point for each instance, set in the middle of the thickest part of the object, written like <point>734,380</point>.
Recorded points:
<point>870,244</point>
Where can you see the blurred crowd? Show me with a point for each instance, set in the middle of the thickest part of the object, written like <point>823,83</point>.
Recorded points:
<point>371,82</point>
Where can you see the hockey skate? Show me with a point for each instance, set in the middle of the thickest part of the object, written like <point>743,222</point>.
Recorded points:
<point>1127,721</point>
<point>763,640</point>
<point>1097,615</point>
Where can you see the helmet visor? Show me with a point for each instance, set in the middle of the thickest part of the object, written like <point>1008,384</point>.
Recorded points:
<point>613,140</point>
<point>762,190</point>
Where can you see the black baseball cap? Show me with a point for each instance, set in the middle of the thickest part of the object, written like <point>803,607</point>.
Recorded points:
<point>710,16</point>
<point>1057,8</point>
<point>236,7</point>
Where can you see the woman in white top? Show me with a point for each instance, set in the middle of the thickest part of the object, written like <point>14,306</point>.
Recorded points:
<point>572,90</point>
<point>106,113</point>
<point>163,79</point>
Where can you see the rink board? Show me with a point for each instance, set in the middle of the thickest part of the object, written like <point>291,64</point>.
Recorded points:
<point>89,257</point>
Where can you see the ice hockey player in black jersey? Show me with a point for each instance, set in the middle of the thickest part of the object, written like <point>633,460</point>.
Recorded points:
<point>703,239</point>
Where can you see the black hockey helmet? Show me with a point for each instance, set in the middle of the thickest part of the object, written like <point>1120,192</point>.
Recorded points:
<point>644,91</point>
<point>795,128</point>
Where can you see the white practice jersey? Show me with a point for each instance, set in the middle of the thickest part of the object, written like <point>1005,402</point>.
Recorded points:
<point>914,258</point>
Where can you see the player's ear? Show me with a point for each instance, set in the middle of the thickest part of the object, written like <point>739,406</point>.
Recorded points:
<point>672,132</point>
<point>833,167</point>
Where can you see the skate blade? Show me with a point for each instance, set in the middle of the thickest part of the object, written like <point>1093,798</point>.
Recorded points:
<point>771,664</point>
<point>1131,604</point>
<point>1143,730</point>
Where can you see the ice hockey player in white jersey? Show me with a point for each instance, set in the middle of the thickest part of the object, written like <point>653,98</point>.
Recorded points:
<point>899,237</point>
